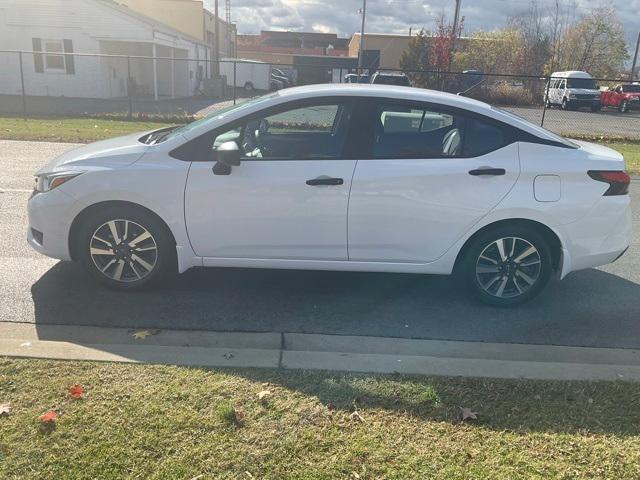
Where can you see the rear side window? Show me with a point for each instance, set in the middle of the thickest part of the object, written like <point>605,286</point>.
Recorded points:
<point>406,131</point>
<point>409,132</point>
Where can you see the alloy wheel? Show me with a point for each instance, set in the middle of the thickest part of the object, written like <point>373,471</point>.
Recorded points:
<point>508,267</point>
<point>123,251</point>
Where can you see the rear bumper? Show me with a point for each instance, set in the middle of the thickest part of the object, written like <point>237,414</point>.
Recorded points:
<point>599,238</point>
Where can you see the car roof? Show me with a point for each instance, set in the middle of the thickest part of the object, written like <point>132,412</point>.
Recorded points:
<point>571,74</point>
<point>378,91</point>
<point>388,91</point>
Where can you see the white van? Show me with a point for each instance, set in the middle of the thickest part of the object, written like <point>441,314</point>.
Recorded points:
<point>573,89</point>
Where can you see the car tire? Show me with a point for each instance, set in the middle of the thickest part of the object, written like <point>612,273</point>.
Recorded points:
<point>506,275</point>
<point>596,107</point>
<point>565,104</point>
<point>140,253</point>
<point>624,106</point>
<point>248,87</point>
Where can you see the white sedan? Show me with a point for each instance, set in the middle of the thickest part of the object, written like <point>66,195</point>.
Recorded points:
<point>351,177</point>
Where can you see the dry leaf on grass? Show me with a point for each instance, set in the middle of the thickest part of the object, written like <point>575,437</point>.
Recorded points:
<point>264,395</point>
<point>5,409</point>
<point>239,414</point>
<point>143,334</point>
<point>356,417</point>
<point>49,416</point>
<point>468,414</point>
<point>76,391</point>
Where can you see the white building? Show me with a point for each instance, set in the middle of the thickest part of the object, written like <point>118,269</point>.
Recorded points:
<point>57,28</point>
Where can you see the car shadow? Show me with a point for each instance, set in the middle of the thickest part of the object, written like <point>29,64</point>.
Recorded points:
<point>592,307</point>
<point>589,308</point>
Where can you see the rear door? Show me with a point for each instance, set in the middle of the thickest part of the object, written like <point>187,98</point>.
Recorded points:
<point>429,173</point>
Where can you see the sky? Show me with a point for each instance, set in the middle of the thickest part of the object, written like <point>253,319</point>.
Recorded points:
<point>396,16</point>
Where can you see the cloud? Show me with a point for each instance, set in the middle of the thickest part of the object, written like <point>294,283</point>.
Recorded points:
<point>397,16</point>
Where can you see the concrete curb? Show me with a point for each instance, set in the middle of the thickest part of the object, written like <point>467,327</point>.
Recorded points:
<point>320,352</point>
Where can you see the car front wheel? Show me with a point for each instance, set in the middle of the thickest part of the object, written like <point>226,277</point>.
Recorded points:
<point>126,249</point>
<point>507,266</point>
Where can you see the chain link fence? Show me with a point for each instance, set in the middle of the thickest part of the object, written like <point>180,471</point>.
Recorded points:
<point>174,88</point>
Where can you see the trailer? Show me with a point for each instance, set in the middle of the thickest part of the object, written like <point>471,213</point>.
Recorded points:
<point>249,74</point>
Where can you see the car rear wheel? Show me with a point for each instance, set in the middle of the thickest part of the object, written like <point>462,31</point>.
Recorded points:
<point>565,104</point>
<point>507,266</point>
<point>248,87</point>
<point>126,249</point>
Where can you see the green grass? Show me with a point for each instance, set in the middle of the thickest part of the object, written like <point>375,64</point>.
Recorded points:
<point>89,130</point>
<point>81,130</point>
<point>139,421</point>
<point>631,153</point>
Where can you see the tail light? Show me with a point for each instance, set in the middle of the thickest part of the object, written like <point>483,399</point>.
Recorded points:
<point>618,181</point>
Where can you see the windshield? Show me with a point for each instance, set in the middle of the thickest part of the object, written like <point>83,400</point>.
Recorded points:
<point>538,128</point>
<point>631,88</point>
<point>216,114</point>
<point>588,83</point>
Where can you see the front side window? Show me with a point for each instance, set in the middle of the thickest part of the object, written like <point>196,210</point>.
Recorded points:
<point>304,133</point>
<point>54,58</point>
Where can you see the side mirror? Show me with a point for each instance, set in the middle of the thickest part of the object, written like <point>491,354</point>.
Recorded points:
<point>226,155</point>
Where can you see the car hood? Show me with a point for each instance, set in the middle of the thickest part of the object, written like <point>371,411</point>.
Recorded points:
<point>119,151</point>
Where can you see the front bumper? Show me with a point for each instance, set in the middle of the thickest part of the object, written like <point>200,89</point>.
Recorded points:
<point>50,216</point>
<point>583,102</point>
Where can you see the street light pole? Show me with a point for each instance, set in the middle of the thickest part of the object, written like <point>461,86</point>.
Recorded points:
<point>361,51</point>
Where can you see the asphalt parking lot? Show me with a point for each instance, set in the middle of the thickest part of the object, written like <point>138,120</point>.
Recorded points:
<point>598,307</point>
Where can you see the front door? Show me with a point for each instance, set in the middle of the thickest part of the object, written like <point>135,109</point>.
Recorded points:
<point>287,199</point>
<point>429,175</point>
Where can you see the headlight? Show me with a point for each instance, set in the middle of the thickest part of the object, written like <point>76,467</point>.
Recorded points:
<point>49,181</point>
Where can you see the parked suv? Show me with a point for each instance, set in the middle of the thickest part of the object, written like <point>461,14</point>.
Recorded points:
<point>391,78</point>
<point>624,97</point>
<point>573,89</point>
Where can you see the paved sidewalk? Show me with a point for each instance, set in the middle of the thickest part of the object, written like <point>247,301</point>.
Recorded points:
<point>319,352</point>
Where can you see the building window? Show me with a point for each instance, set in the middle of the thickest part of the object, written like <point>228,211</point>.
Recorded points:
<point>54,62</point>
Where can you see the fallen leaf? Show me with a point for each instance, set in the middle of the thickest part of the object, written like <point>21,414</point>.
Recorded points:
<point>239,414</point>
<point>264,395</point>
<point>331,406</point>
<point>355,416</point>
<point>5,409</point>
<point>468,414</point>
<point>228,355</point>
<point>49,417</point>
<point>142,334</point>
<point>76,391</point>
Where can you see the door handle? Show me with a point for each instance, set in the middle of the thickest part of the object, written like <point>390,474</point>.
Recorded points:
<point>487,171</point>
<point>325,181</point>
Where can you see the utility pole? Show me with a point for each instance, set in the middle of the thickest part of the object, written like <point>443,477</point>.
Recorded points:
<point>635,58</point>
<point>216,47</point>
<point>361,50</point>
<point>454,32</point>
